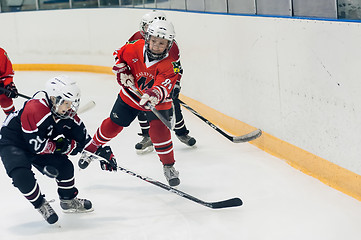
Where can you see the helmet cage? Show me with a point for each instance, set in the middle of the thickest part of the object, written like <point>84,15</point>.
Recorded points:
<point>156,56</point>
<point>60,89</point>
<point>148,18</point>
<point>58,101</point>
<point>160,29</point>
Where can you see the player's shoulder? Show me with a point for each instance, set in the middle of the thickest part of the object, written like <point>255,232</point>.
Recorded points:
<point>135,47</point>
<point>3,53</point>
<point>175,46</point>
<point>36,109</point>
<point>136,36</point>
<point>136,42</point>
<point>174,50</point>
<point>169,64</point>
<point>171,58</point>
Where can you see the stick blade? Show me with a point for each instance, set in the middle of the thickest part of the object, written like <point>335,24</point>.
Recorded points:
<point>233,202</point>
<point>248,137</point>
<point>86,107</point>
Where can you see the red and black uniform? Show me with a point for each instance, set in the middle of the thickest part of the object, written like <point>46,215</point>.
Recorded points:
<point>160,74</point>
<point>6,79</point>
<point>180,127</point>
<point>27,138</point>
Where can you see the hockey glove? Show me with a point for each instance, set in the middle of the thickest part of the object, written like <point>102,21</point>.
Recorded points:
<point>110,163</point>
<point>12,90</point>
<point>124,76</point>
<point>151,97</point>
<point>64,146</point>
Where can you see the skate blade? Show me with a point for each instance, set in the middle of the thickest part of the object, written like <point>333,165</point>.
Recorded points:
<point>145,150</point>
<point>77,210</point>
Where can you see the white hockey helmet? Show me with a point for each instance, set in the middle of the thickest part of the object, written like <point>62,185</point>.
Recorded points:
<point>160,29</point>
<point>148,18</point>
<point>63,88</point>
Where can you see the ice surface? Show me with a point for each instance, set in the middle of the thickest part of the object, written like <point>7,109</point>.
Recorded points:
<point>280,202</point>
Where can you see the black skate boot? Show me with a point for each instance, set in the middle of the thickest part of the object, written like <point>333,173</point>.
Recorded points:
<point>187,140</point>
<point>145,145</point>
<point>171,175</point>
<point>76,205</point>
<point>48,212</point>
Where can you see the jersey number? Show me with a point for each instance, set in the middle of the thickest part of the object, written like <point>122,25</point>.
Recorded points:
<point>167,83</point>
<point>37,143</point>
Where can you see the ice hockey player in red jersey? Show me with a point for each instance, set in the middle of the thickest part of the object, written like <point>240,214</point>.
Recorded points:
<point>146,65</point>
<point>180,129</point>
<point>8,89</point>
<point>42,134</point>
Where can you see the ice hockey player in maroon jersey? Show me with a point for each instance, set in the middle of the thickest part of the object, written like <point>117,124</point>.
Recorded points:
<point>180,129</point>
<point>146,65</point>
<point>42,134</point>
<point>8,89</point>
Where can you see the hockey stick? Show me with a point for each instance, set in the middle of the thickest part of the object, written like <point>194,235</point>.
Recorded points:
<point>86,107</point>
<point>236,139</point>
<point>82,109</point>
<point>8,91</point>
<point>233,202</point>
<point>153,109</point>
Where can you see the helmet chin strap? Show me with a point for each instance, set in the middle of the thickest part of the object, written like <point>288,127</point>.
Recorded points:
<point>50,102</point>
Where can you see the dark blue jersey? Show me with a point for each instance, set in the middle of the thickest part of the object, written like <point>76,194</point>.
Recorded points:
<point>34,128</point>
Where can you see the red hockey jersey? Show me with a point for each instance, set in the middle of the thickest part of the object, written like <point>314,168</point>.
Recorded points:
<point>6,68</point>
<point>162,74</point>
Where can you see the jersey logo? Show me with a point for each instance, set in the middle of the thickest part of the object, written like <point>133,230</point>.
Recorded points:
<point>115,115</point>
<point>177,67</point>
<point>135,60</point>
<point>142,85</point>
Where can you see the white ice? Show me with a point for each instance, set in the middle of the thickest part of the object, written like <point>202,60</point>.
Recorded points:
<point>280,202</point>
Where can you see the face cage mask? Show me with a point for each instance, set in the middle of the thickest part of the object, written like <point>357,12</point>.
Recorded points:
<point>68,114</point>
<point>143,28</point>
<point>154,56</point>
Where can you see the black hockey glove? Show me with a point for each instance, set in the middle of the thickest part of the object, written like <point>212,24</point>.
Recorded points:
<point>176,90</point>
<point>13,91</point>
<point>110,164</point>
<point>64,146</point>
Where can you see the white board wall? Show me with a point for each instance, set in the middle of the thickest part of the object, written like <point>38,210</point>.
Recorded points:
<point>296,79</point>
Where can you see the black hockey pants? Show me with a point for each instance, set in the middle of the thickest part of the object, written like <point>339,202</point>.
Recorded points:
<point>18,164</point>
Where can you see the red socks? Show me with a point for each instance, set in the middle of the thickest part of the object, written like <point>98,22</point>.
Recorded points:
<point>162,142</point>
<point>107,130</point>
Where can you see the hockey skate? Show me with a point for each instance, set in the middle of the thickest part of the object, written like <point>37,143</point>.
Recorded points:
<point>144,146</point>
<point>187,140</point>
<point>48,212</point>
<point>171,175</point>
<point>76,205</point>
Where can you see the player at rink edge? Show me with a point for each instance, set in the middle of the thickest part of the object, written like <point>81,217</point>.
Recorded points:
<point>146,65</point>
<point>8,90</point>
<point>180,129</point>
<point>42,134</point>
